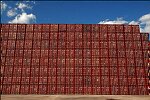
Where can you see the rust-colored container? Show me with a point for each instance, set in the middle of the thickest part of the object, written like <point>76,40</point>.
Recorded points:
<point>74,59</point>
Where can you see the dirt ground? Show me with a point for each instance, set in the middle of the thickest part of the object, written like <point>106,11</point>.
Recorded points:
<point>75,97</point>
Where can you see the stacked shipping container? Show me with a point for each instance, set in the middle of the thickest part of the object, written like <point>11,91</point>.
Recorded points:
<point>73,59</point>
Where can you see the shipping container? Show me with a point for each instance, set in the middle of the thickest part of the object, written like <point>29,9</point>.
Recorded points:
<point>24,89</point>
<point>21,27</point>
<point>124,90</point>
<point>29,28</point>
<point>45,28</point>
<point>113,71</point>
<point>115,90</point>
<point>120,36</point>
<point>11,44</point>
<point>135,29</point>
<point>78,27</point>
<point>113,61</point>
<point>20,35</point>
<point>74,59</point>
<point>128,36</point>
<point>8,61</point>
<point>111,28</point>
<point>5,27</point>
<point>10,53</point>
<point>6,89</point>
<point>144,36</point>
<point>12,35</point>
<point>70,28</point>
<point>103,37</point>
<point>45,35</point>
<point>54,28</point>
<point>95,28</point>
<point>62,28</point>
<point>136,37</point>
<point>119,28</point>
<point>103,29</point>
<point>127,28</point>
<point>25,80</point>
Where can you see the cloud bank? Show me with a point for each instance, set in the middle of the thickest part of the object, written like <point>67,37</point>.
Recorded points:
<point>143,21</point>
<point>24,18</point>
<point>12,12</point>
<point>20,12</point>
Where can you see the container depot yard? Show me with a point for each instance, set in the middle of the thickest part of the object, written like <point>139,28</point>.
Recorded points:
<point>75,97</point>
<point>82,59</point>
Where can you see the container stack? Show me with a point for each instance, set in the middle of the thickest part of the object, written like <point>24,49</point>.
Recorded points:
<point>74,59</point>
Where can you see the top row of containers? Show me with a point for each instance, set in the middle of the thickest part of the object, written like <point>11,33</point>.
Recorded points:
<point>71,27</point>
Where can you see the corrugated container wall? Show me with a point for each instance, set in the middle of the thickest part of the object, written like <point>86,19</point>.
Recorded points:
<point>74,59</point>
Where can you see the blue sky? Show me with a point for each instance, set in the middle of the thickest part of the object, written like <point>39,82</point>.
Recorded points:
<point>75,12</point>
<point>83,11</point>
<point>88,12</point>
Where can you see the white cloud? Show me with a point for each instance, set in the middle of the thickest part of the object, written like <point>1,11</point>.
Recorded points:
<point>145,18</point>
<point>12,12</point>
<point>18,12</point>
<point>24,18</point>
<point>3,6</point>
<point>143,21</point>
<point>133,23</point>
<point>117,21</point>
<point>23,6</point>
